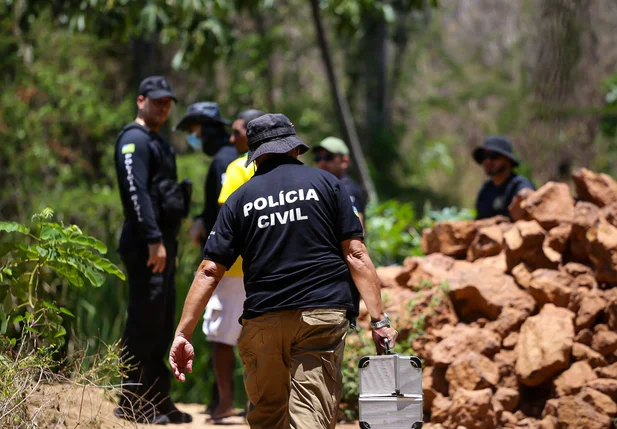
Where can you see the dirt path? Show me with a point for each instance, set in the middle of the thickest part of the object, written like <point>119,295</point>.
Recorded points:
<point>69,406</point>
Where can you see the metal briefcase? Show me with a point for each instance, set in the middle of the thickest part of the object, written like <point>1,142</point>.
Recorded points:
<point>390,391</point>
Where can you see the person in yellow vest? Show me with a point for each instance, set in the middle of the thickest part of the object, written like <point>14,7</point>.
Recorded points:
<point>221,320</point>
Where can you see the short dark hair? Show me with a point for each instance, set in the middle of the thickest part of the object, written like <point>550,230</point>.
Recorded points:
<point>248,115</point>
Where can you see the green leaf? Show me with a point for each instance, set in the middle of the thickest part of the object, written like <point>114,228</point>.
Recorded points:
<point>8,303</point>
<point>100,263</point>
<point>14,227</point>
<point>66,311</point>
<point>5,324</point>
<point>61,332</point>
<point>49,305</point>
<point>67,271</point>
<point>52,231</point>
<point>85,240</point>
<point>18,319</point>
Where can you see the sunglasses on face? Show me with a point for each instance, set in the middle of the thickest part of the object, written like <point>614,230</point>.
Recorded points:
<point>490,155</point>
<point>326,156</point>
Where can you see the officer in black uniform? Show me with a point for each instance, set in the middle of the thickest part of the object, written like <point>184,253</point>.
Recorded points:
<point>207,132</point>
<point>496,194</point>
<point>304,265</point>
<point>154,205</point>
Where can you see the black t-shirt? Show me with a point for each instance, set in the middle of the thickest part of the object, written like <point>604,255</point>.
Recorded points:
<point>494,200</point>
<point>214,183</point>
<point>356,193</point>
<point>287,223</point>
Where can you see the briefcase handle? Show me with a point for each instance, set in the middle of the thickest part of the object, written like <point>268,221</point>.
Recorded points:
<point>388,351</point>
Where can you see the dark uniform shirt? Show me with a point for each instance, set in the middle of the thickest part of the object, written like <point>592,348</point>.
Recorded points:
<point>494,200</point>
<point>287,223</point>
<point>214,183</point>
<point>139,155</point>
<point>356,193</point>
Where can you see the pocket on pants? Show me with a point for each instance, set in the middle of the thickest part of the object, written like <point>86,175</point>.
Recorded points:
<point>324,316</point>
<point>249,360</point>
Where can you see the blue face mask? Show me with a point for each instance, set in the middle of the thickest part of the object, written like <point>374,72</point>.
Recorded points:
<point>194,142</point>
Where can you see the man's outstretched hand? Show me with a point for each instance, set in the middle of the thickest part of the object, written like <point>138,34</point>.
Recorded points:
<point>181,357</point>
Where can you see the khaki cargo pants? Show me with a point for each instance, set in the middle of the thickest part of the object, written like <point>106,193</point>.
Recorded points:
<point>292,367</point>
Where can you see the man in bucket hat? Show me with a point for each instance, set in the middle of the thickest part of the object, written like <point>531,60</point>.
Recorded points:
<point>304,266</point>
<point>207,132</point>
<point>496,194</point>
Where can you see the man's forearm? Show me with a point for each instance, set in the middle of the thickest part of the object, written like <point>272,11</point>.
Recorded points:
<point>366,280</point>
<point>202,288</point>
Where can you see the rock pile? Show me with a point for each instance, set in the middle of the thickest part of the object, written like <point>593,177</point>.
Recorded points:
<point>517,322</point>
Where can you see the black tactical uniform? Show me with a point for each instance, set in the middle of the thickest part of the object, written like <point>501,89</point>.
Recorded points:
<point>154,204</point>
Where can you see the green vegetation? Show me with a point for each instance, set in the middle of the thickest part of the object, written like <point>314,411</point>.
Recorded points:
<point>42,261</point>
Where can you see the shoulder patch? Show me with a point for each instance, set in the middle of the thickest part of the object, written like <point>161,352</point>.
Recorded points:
<point>128,148</point>
<point>355,210</point>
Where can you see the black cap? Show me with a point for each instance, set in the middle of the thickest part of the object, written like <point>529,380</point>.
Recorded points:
<point>272,133</point>
<point>498,144</point>
<point>202,113</point>
<point>156,87</point>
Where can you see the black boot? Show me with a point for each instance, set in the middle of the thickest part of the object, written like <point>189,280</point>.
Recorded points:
<point>167,408</point>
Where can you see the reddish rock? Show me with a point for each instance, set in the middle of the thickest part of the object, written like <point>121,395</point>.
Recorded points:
<point>439,409</point>
<point>601,402</point>
<point>576,269</point>
<point>603,253</point>
<point>575,413</point>
<point>607,372</point>
<point>604,342</point>
<point>601,327</point>
<point>550,205</point>
<point>573,380</point>
<point>557,242</point>
<point>515,209</point>
<point>472,409</point>
<point>506,361</point>
<point>497,263</point>
<point>550,408</point>
<point>433,384</point>
<point>508,321</point>
<point>610,213</point>
<point>581,352</point>
<point>544,345</point>
<point>486,292</point>
<point>451,238</point>
<point>487,242</point>
<point>472,371</point>
<point>508,398</point>
<point>510,341</point>
<point>551,286</point>
<point>611,310</point>
<point>507,420</point>
<point>523,243</point>
<point>388,276</point>
<point>608,386</point>
<point>585,215</point>
<point>591,305</point>
<point>522,274</point>
<point>433,269</point>
<point>597,188</point>
<point>584,337</point>
<point>548,422</point>
<point>464,339</point>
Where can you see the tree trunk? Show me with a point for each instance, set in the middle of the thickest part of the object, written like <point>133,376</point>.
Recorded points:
<point>342,108</point>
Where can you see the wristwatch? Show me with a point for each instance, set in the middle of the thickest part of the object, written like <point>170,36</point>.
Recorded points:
<point>381,323</point>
